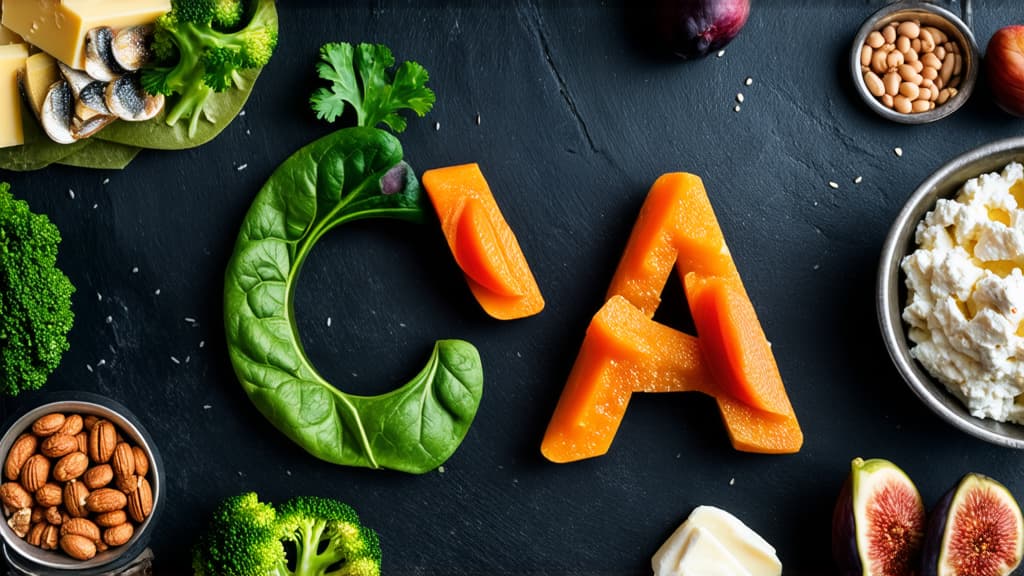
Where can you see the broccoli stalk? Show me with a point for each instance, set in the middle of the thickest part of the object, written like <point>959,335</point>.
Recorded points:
<point>199,48</point>
<point>247,537</point>
<point>35,297</point>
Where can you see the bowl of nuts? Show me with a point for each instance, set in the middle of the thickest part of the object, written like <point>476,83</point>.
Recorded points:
<point>915,62</point>
<point>82,483</point>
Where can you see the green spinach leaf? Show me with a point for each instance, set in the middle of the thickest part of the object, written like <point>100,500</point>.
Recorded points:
<point>102,155</point>
<point>38,151</point>
<point>351,174</point>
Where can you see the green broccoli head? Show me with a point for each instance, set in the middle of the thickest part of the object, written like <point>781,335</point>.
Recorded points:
<point>199,48</point>
<point>35,297</point>
<point>306,536</point>
<point>240,540</point>
<point>329,538</point>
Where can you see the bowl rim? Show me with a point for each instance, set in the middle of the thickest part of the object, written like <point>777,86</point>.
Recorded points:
<point>132,428</point>
<point>966,86</point>
<point>889,309</point>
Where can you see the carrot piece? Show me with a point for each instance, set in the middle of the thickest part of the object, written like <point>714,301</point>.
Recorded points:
<point>625,352</point>
<point>622,352</point>
<point>482,242</point>
<point>734,343</point>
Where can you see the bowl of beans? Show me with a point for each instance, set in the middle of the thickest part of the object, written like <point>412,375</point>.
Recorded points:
<point>915,62</point>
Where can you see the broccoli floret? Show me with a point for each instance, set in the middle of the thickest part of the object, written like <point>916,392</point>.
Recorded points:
<point>35,297</point>
<point>199,48</point>
<point>328,538</point>
<point>308,536</point>
<point>242,539</point>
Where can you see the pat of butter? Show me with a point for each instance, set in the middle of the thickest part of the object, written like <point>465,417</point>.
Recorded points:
<point>12,62</point>
<point>58,27</point>
<point>40,73</point>
<point>752,553</point>
<point>701,554</point>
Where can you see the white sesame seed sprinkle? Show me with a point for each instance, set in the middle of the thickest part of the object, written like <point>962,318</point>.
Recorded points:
<point>748,81</point>
<point>736,108</point>
<point>190,320</point>
<point>207,406</point>
<point>721,53</point>
<point>739,97</point>
<point>88,367</point>
<point>437,126</point>
<point>732,481</point>
<point>156,292</point>
<point>135,270</point>
<point>833,185</point>
<point>106,180</point>
<point>242,113</point>
<point>110,319</point>
<point>898,151</point>
<point>440,469</point>
<point>858,179</point>
<point>71,193</point>
<point>102,362</point>
<point>175,360</point>
<point>202,343</point>
<point>99,297</point>
<point>95,206</point>
<point>188,359</point>
<point>478,119</point>
<point>328,321</point>
<point>242,167</point>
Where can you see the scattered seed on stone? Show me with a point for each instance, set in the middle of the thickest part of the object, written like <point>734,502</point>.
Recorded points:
<point>242,167</point>
<point>858,179</point>
<point>739,97</point>
<point>898,151</point>
<point>748,81</point>
<point>833,185</point>
<point>721,53</point>
<point>175,360</point>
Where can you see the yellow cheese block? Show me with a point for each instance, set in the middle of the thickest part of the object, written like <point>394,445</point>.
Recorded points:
<point>6,36</point>
<point>58,27</point>
<point>12,62</point>
<point>40,73</point>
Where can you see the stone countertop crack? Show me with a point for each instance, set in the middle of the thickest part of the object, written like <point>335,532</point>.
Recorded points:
<point>534,21</point>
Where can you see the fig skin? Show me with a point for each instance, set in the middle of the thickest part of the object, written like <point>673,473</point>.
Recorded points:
<point>941,515</point>
<point>866,482</point>
<point>692,29</point>
<point>1004,67</point>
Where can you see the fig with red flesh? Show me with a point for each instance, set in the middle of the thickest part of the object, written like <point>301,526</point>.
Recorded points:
<point>975,530</point>
<point>878,522</point>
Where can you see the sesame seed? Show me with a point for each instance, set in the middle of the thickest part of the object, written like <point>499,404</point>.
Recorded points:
<point>207,406</point>
<point>88,367</point>
<point>106,180</point>
<point>102,362</point>
<point>188,359</point>
<point>440,469</point>
<point>721,53</point>
<point>175,360</point>
<point>736,108</point>
<point>202,343</point>
<point>898,151</point>
<point>190,320</point>
<point>110,319</point>
<point>328,321</point>
<point>95,206</point>
<point>248,132</point>
<point>242,167</point>
<point>242,113</point>
<point>71,193</point>
<point>437,126</point>
<point>156,292</point>
<point>732,481</point>
<point>833,185</point>
<point>739,97</point>
<point>748,81</point>
<point>135,270</point>
<point>478,119</point>
<point>858,179</point>
<point>99,297</point>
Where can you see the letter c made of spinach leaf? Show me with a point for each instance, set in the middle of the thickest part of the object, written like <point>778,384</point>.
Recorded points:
<point>348,175</point>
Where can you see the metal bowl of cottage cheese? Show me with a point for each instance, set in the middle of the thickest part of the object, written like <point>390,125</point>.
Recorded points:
<point>950,295</point>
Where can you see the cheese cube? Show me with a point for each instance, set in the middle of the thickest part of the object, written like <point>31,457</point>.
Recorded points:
<point>8,37</point>
<point>58,27</point>
<point>41,72</point>
<point>12,62</point>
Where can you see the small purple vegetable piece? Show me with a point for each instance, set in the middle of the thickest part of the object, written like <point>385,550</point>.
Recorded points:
<point>975,530</point>
<point>692,29</point>
<point>878,522</point>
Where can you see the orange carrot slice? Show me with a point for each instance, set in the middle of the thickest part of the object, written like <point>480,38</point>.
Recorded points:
<point>482,242</point>
<point>625,351</point>
<point>734,343</point>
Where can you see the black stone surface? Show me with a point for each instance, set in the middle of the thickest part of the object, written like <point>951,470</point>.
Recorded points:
<point>577,119</point>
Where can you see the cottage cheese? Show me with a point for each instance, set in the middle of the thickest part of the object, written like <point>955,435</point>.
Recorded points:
<point>965,294</point>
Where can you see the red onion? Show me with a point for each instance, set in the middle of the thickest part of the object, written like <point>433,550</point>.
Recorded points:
<point>694,28</point>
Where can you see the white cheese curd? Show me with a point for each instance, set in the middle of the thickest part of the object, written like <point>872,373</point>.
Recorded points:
<point>965,294</point>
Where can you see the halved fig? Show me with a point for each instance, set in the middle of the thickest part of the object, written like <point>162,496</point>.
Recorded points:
<point>975,530</point>
<point>878,522</point>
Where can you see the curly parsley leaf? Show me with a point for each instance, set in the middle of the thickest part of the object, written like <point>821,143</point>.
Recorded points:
<point>360,78</point>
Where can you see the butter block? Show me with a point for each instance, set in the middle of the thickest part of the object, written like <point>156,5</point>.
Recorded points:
<point>712,537</point>
<point>58,27</point>
<point>40,73</point>
<point>12,62</point>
